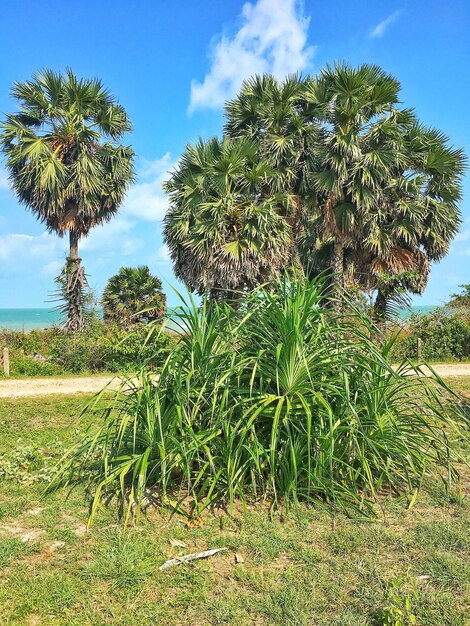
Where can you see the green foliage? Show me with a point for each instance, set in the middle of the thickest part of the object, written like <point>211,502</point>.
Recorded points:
<point>133,296</point>
<point>226,228</point>
<point>95,348</point>
<point>445,335</point>
<point>326,172</point>
<point>62,153</point>
<point>26,464</point>
<point>399,597</point>
<point>459,303</point>
<point>143,344</point>
<point>277,398</point>
<point>461,299</point>
<point>22,365</point>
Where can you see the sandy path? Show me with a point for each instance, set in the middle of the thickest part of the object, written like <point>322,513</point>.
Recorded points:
<point>451,370</point>
<point>25,387</point>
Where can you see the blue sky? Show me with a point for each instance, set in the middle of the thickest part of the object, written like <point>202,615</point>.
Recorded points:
<point>172,64</point>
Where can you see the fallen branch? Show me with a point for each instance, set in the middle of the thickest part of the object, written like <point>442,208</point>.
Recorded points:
<point>190,557</point>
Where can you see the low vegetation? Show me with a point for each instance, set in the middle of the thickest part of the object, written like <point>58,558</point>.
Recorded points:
<point>442,335</point>
<point>278,400</point>
<point>96,348</point>
<point>303,569</point>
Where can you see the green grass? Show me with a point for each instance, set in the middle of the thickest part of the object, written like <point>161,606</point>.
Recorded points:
<point>302,569</point>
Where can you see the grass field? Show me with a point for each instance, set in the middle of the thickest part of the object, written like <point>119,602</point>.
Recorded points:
<point>300,569</point>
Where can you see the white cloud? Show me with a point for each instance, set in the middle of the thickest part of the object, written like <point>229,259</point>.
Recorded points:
<point>463,236</point>
<point>28,254</point>
<point>146,199</point>
<point>163,253</point>
<point>272,38</point>
<point>160,257</point>
<point>4,182</point>
<point>112,238</point>
<point>379,30</point>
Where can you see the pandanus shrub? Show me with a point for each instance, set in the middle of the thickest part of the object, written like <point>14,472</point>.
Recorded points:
<point>279,398</point>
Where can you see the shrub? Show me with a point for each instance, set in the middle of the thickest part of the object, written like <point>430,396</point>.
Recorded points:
<point>277,398</point>
<point>96,348</point>
<point>444,335</point>
<point>128,350</point>
<point>22,365</point>
<point>26,464</point>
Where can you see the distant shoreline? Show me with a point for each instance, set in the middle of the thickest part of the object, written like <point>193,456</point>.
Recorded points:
<point>27,319</point>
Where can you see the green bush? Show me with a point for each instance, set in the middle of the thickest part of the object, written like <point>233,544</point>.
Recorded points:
<point>444,335</point>
<point>96,348</point>
<point>22,365</point>
<point>128,350</point>
<point>278,398</point>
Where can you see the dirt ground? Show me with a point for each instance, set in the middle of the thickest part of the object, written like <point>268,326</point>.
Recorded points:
<point>24,387</point>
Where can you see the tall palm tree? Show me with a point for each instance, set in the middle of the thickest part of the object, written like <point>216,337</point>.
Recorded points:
<point>415,219</point>
<point>376,194</point>
<point>226,228</point>
<point>318,132</point>
<point>133,296</point>
<point>65,163</point>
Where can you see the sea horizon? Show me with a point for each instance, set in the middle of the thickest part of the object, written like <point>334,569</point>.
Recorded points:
<point>26,319</point>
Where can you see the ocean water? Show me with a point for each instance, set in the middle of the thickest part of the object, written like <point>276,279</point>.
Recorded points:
<point>28,319</point>
<point>33,319</point>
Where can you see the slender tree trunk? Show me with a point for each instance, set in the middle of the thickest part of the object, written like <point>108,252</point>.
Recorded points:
<point>74,287</point>
<point>337,264</point>
<point>73,245</point>
<point>380,307</point>
<point>337,269</point>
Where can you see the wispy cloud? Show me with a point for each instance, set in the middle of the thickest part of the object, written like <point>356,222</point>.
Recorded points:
<point>4,183</point>
<point>272,38</point>
<point>146,199</point>
<point>111,239</point>
<point>463,236</point>
<point>163,253</point>
<point>25,254</point>
<point>379,30</point>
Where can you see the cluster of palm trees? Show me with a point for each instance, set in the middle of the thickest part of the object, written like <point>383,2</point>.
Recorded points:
<point>325,172</point>
<point>319,173</point>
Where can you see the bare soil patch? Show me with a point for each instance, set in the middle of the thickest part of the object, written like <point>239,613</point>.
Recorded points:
<point>25,387</point>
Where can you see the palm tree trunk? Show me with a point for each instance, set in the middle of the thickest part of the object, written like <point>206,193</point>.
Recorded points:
<point>75,286</point>
<point>380,307</point>
<point>337,264</point>
<point>337,269</point>
<point>73,245</point>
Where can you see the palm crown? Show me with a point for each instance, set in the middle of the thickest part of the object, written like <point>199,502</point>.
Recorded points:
<point>61,152</point>
<point>378,193</point>
<point>225,229</point>
<point>132,296</point>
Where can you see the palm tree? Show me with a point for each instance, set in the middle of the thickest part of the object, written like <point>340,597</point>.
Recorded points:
<point>416,219</point>
<point>65,163</point>
<point>226,228</point>
<point>133,296</point>
<point>376,194</point>
<point>319,132</point>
